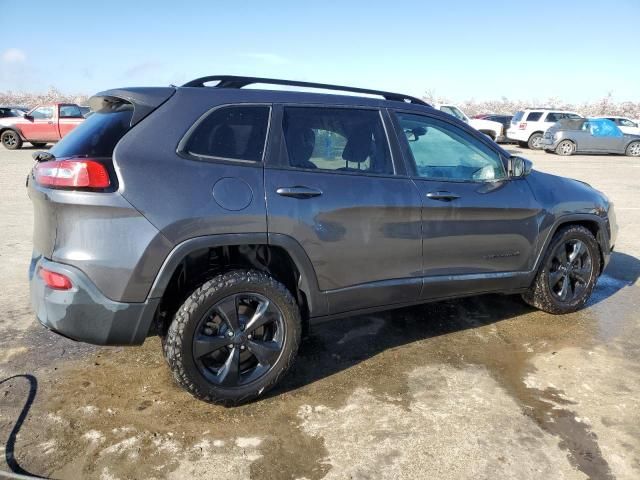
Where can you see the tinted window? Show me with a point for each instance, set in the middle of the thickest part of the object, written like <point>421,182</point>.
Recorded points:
<point>572,116</point>
<point>339,139</point>
<point>444,152</point>
<point>234,132</point>
<point>534,116</point>
<point>70,111</point>
<point>97,136</point>
<point>554,117</point>
<point>42,113</point>
<point>517,117</point>
<point>9,112</point>
<point>626,123</point>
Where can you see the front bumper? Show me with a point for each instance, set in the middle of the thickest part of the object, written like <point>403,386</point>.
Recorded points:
<point>83,313</point>
<point>549,143</point>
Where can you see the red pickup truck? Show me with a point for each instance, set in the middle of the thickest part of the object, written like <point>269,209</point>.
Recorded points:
<point>44,124</point>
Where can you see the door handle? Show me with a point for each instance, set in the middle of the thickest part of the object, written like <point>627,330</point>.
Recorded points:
<point>444,196</point>
<point>299,192</point>
<point>50,123</point>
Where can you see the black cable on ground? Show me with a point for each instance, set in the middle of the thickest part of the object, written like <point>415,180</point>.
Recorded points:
<point>17,472</point>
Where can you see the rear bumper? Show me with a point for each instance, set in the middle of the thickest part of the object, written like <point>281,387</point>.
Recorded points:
<point>83,313</point>
<point>517,135</point>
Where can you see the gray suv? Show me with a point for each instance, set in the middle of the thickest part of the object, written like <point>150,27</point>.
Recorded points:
<point>226,219</point>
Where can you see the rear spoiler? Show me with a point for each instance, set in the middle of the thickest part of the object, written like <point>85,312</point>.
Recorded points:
<point>143,99</point>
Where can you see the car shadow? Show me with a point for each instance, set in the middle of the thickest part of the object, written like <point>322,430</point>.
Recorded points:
<point>10,444</point>
<point>340,344</point>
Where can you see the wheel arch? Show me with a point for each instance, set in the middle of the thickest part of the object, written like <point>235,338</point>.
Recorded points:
<point>278,255</point>
<point>15,129</point>
<point>594,223</point>
<point>541,132</point>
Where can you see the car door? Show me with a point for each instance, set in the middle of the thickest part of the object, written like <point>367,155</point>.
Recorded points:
<point>41,125</point>
<point>479,226</point>
<point>606,137</point>
<point>333,185</point>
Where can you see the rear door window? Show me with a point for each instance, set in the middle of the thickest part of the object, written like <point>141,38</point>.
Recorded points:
<point>97,136</point>
<point>338,139</point>
<point>534,116</point>
<point>554,117</point>
<point>235,132</point>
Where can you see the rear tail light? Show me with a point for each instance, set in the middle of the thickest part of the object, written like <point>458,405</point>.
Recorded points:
<point>522,125</point>
<point>72,174</point>
<point>56,281</point>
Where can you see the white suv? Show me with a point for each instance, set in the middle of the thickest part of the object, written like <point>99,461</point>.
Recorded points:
<point>528,126</point>
<point>625,124</point>
<point>488,127</point>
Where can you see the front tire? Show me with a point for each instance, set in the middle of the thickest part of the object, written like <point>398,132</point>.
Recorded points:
<point>535,141</point>
<point>565,148</point>
<point>234,338</point>
<point>633,149</point>
<point>11,140</point>
<point>568,272</point>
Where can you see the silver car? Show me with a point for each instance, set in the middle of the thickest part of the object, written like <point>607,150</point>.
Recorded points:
<point>589,135</point>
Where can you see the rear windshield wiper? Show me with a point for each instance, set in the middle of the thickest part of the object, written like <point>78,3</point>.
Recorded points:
<point>43,156</point>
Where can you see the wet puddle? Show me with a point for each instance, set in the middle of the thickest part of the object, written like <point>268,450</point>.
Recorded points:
<point>117,413</point>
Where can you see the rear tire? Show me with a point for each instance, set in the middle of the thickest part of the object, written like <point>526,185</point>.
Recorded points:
<point>565,148</point>
<point>216,351</point>
<point>534,141</point>
<point>568,272</point>
<point>11,140</point>
<point>38,144</point>
<point>633,149</point>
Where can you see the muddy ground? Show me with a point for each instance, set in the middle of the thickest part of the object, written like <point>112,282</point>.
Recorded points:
<point>484,387</point>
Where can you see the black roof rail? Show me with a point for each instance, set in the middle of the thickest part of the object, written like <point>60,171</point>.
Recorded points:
<point>232,81</point>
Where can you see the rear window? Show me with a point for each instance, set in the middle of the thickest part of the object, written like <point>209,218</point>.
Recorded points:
<point>233,132</point>
<point>534,116</point>
<point>97,136</point>
<point>518,116</point>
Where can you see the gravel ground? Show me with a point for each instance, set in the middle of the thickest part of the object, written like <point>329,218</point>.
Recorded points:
<point>483,387</point>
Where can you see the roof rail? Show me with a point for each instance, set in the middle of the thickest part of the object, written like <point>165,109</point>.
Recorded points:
<point>232,81</point>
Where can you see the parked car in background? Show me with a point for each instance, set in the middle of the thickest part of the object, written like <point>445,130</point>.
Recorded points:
<point>481,115</point>
<point>505,120</point>
<point>589,135</point>
<point>493,130</point>
<point>8,111</point>
<point>625,124</point>
<point>528,126</point>
<point>249,213</point>
<point>44,124</point>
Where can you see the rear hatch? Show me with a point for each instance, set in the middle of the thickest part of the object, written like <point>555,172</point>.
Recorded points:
<point>75,180</point>
<point>517,117</point>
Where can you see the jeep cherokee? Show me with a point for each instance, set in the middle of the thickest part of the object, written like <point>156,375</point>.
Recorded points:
<point>225,219</point>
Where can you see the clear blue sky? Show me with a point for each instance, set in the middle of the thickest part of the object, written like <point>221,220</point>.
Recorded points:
<point>573,49</point>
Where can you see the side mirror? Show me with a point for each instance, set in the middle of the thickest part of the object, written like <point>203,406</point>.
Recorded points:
<point>28,117</point>
<point>519,167</point>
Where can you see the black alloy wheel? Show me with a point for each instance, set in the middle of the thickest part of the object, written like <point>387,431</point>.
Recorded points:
<point>239,339</point>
